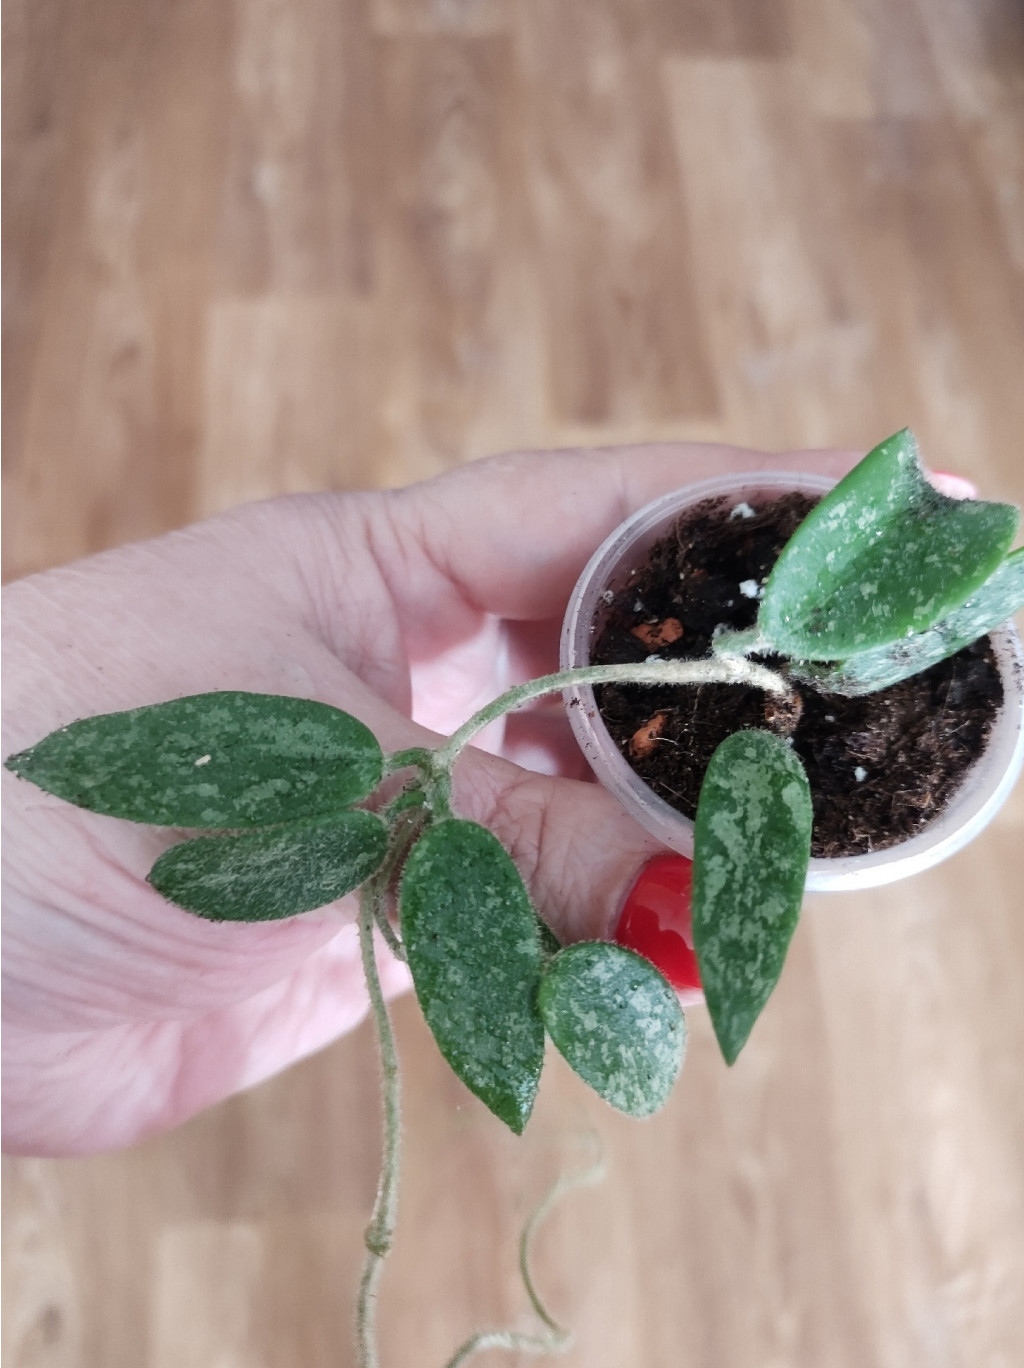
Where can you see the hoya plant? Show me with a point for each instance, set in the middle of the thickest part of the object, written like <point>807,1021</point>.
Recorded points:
<point>297,806</point>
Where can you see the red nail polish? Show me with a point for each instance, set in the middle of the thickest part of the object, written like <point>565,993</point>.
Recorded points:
<point>656,920</point>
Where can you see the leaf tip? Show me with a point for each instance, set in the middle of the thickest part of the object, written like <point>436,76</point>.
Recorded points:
<point>732,1036</point>
<point>511,1107</point>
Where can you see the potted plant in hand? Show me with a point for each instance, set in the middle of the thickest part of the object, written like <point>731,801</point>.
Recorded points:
<point>296,805</point>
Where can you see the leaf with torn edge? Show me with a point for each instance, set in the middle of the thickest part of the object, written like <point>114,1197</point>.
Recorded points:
<point>881,556</point>
<point>999,597</point>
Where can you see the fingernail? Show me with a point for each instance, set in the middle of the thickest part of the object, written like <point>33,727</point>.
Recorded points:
<point>656,920</point>
<point>953,486</point>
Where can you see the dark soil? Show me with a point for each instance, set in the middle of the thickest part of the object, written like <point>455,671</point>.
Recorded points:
<point>880,767</point>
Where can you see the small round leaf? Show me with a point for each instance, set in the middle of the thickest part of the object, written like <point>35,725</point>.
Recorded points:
<point>617,1022</point>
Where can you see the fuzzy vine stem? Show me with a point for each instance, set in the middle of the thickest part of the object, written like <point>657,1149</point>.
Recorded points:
<point>557,1337</point>
<point>724,669</point>
<point>381,1230</point>
<point>406,826</point>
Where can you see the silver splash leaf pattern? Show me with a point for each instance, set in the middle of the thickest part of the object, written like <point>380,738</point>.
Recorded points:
<point>475,955</point>
<point>882,556</point>
<point>752,844</point>
<point>227,760</point>
<point>618,1023</point>
<point>277,872</point>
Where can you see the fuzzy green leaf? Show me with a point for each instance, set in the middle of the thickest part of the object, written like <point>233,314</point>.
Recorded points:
<point>617,1022</point>
<point>274,873</point>
<point>881,556</point>
<point>997,600</point>
<point>474,951</point>
<point>752,842</point>
<point>210,760</point>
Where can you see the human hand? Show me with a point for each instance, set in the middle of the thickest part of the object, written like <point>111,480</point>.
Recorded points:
<point>125,1015</point>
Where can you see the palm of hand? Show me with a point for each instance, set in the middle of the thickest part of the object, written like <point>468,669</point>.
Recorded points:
<point>126,1015</point>
<point>113,995</point>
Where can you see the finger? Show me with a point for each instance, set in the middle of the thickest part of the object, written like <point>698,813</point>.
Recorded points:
<point>509,535</point>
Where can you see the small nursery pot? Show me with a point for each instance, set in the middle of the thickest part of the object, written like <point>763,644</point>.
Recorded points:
<point>972,807</point>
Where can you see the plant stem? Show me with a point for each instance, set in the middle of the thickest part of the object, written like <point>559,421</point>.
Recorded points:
<point>556,1338</point>
<point>727,669</point>
<point>406,826</point>
<point>391,937</point>
<point>381,1230</point>
<point>734,643</point>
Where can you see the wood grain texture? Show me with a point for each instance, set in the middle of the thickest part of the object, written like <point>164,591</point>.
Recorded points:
<point>265,245</point>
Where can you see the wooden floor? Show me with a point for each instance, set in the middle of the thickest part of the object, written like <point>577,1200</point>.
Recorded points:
<point>267,245</point>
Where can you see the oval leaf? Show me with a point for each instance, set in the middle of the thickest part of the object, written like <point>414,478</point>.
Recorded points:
<point>997,600</point>
<point>226,759</point>
<point>474,952</point>
<point>752,843</point>
<point>617,1022</point>
<point>267,875</point>
<point>882,555</point>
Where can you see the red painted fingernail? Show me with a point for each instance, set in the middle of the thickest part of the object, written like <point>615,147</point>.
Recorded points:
<point>656,920</point>
<point>953,486</point>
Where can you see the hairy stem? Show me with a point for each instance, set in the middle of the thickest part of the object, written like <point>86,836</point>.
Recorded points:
<point>739,643</point>
<point>381,1230</point>
<point>407,825</point>
<point>391,937</point>
<point>726,669</point>
<point>556,1338</point>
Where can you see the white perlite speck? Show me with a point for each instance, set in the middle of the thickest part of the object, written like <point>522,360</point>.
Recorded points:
<point>742,510</point>
<point>750,588</point>
<point>860,774</point>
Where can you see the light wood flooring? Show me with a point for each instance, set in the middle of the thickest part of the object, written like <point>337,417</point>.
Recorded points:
<point>264,245</point>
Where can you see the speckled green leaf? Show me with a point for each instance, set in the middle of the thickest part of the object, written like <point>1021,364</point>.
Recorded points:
<point>266,875</point>
<point>882,555</point>
<point>210,760</point>
<point>475,955</point>
<point>617,1022</point>
<point>752,842</point>
<point>997,600</point>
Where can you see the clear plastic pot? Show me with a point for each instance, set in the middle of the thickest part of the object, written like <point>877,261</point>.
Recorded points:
<point>986,787</point>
